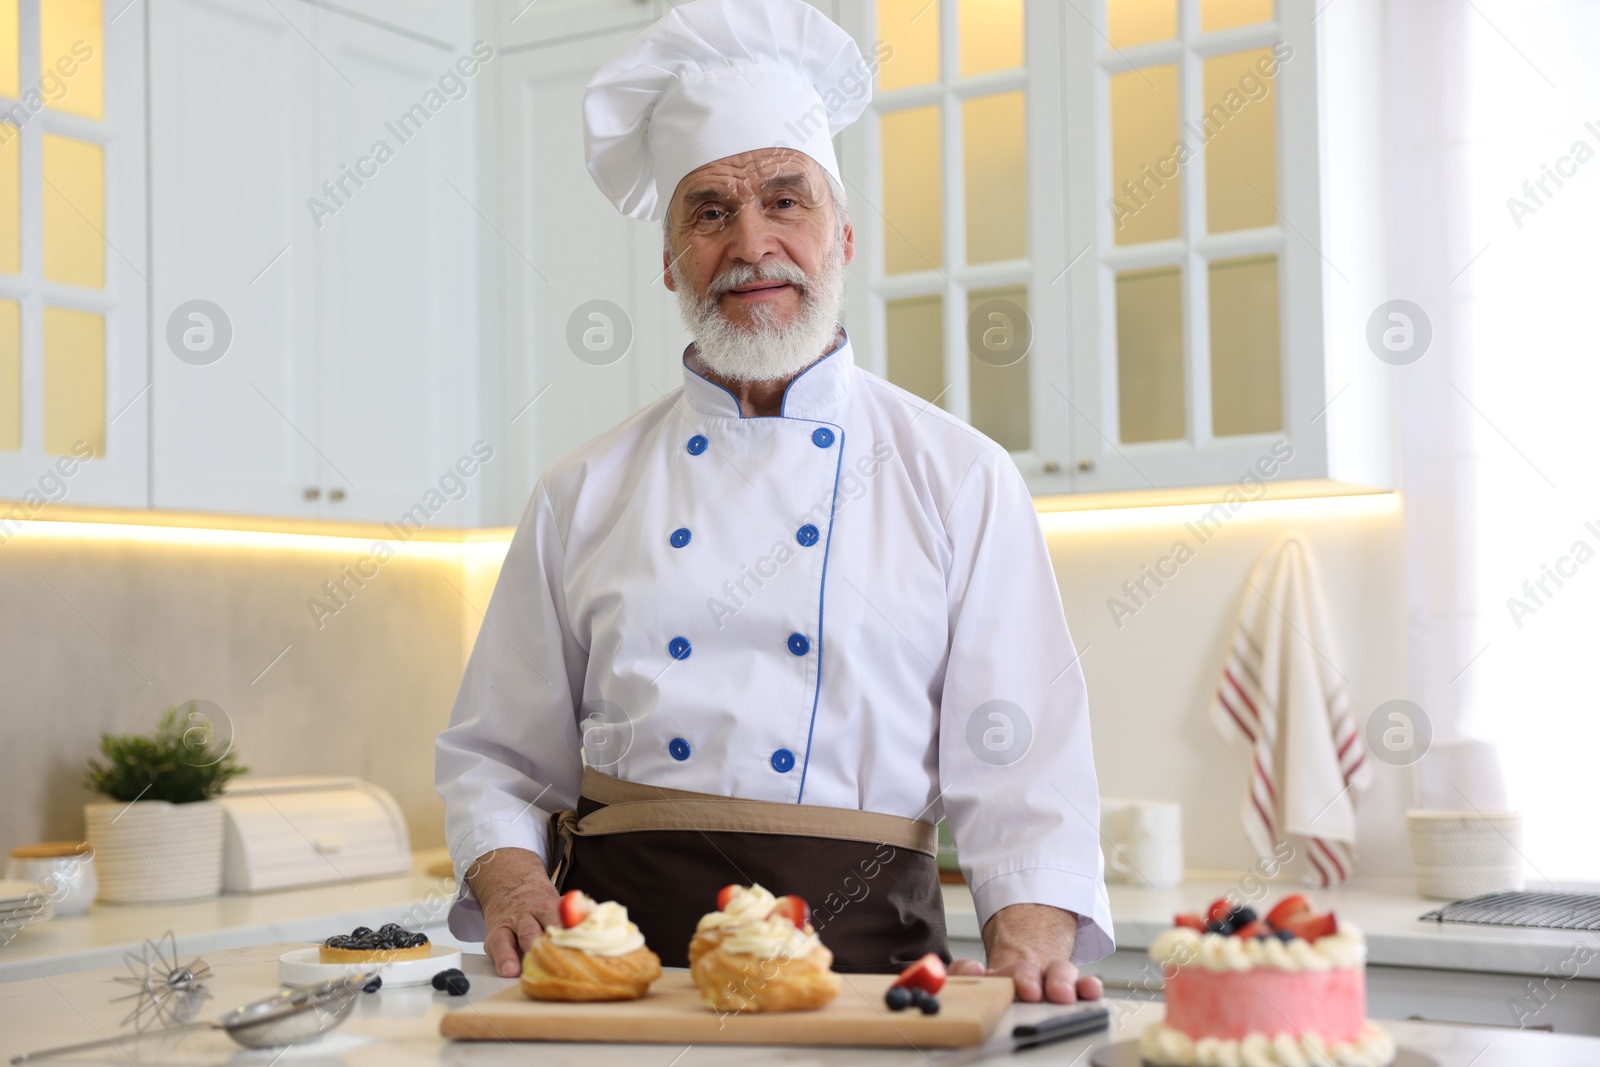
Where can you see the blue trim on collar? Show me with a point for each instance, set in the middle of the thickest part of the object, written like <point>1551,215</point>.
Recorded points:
<point>736,405</point>
<point>783,402</point>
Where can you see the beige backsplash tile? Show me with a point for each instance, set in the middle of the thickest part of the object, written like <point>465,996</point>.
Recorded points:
<point>150,625</point>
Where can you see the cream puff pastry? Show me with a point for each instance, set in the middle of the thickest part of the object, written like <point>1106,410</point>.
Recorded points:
<point>766,965</point>
<point>597,954</point>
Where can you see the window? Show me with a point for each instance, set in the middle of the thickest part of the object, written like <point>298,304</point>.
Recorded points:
<point>949,200</point>
<point>54,296</point>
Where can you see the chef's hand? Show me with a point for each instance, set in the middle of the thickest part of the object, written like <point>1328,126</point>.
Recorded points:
<point>518,902</point>
<point>1032,945</point>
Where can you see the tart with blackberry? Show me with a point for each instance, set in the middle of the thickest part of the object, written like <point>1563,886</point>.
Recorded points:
<point>386,944</point>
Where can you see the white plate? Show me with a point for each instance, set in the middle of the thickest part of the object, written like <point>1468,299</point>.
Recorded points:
<point>300,967</point>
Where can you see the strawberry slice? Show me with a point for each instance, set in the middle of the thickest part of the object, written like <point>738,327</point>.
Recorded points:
<point>1219,909</point>
<point>927,974</point>
<point>1251,930</point>
<point>1191,920</point>
<point>1314,926</point>
<point>575,907</point>
<point>1290,908</point>
<point>727,893</point>
<point>795,909</point>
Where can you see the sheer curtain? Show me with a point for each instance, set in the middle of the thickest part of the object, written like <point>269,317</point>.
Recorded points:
<point>1495,150</point>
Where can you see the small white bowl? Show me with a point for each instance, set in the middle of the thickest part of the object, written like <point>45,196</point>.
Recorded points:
<point>300,967</point>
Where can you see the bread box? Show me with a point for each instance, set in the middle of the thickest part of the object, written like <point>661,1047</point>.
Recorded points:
<point>280,833</point>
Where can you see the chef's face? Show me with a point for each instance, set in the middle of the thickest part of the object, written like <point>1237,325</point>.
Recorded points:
<point>740,228</point>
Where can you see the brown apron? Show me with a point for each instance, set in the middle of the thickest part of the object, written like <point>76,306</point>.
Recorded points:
<point>872,880</point>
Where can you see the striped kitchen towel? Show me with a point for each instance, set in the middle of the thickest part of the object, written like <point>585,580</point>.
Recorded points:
<point>1283,696</point>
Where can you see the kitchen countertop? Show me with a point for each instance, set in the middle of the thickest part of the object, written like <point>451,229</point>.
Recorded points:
<point>102,934</point>
<point>401,1027</point>
<point>1386,912</point>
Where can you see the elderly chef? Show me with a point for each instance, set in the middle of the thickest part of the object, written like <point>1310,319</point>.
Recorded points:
<point>774,626</point>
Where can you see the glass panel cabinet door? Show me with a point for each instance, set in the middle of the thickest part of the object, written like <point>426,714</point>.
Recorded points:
<point>913,218</point>
<point>958,233</point>
<point>73,369</point>
<point>1179,319</point>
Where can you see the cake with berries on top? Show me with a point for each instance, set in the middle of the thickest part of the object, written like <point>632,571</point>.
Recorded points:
<point>1284,990</point>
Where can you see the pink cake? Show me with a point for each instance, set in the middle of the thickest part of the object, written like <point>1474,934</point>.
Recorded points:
<point>1289,990</point>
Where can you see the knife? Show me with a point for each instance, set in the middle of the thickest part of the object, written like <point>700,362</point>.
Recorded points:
<point>1084,1019</point>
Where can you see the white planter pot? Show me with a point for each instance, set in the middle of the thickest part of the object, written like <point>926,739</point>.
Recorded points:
<point>153,851</point>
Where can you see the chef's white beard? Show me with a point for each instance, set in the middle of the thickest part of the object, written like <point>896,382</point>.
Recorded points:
<point>766,350</point>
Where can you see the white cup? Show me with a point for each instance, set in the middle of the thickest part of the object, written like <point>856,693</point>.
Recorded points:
<point>1144,842</point>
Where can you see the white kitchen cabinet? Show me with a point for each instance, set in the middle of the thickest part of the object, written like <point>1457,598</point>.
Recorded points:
<point>567,264</point>
<point>518,24</point>
<point>1224,186</point>
<point>232,85</point>
<point>73,370</point>
<point>396,281</point>
<point>312,180</point>
<point>1211,334</point>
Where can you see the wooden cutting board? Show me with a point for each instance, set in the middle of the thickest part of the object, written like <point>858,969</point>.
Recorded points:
<point>673,1013</point>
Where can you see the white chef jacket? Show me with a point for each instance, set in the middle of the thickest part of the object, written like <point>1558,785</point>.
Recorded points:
<point>806,608</point>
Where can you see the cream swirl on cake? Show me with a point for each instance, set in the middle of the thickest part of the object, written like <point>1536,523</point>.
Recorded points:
<point>1162,1046</point>
<point>605,931</point>
<point>771,938</point>
<point>750,903</point>
<point>1180,946</point>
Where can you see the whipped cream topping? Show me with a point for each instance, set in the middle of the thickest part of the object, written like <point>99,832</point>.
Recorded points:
<point>751,904</point>
<point>1163,1046</point>
<point>605,931</point>
<point>769,939</point>
<point>1180,946</point>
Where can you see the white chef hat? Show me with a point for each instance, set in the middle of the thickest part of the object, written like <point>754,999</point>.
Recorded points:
<point>712,79</point>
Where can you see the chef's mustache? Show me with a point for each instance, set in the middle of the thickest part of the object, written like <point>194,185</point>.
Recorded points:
<point>745,274</point>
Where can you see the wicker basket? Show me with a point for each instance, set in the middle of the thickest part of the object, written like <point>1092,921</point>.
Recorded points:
<point>1461,854</point>
<point>153,851</point>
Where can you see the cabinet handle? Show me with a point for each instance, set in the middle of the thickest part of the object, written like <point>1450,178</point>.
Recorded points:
<point>335,495</point>
<point>313,493</point>
<point>1052,466</point>
<point>1086,465</point>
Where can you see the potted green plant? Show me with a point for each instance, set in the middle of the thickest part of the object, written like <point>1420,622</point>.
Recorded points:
<point>159,835</point>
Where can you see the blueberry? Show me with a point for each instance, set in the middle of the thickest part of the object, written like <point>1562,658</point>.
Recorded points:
<point>374,985</point>
<point>1243,916</point>
<point>1219,926</point>
<point>930,1005</point>
<point>918,994</point>
<point>898,998</point>
<point>457,985</point>
<point>439,979</point>
<point>360,932</point>
<point>1285,936</point>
